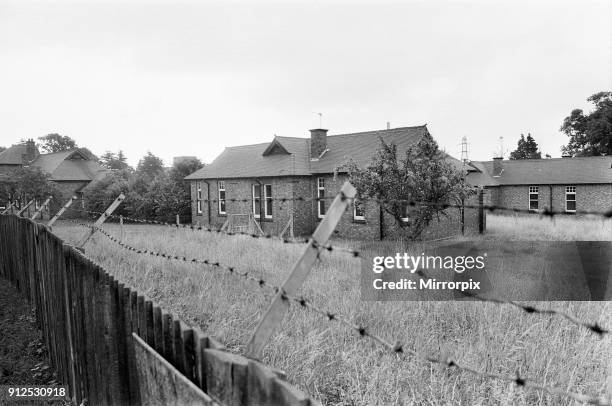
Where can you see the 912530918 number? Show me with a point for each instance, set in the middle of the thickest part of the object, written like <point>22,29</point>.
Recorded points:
<point>32,392</point>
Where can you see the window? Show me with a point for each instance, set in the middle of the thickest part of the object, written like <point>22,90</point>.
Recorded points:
<point>405,212</point>
<point>268,201</point>
<point>533,197</point>
<point>199,197</point>
<point>221,197</point>
<point>257,201</point>
<point>358,211</point>
<point>570,199</point>
<point>320,195</point>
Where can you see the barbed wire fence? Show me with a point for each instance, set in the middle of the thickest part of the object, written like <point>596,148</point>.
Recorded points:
<point>400,350</point>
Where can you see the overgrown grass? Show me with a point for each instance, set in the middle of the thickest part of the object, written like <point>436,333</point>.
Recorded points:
<point>559,228</point>
<point>334,364</point>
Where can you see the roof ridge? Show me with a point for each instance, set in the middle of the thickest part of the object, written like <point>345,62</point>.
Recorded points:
<point>382,131</point>
<point>61,152</point>
<point>550,159</point>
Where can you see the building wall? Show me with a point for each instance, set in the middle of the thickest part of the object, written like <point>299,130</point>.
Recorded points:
<point>236,191</point>
<point>305,212</point>
<point>588,197</point>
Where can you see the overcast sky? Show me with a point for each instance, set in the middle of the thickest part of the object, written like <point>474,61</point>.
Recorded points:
<point>189,78</point>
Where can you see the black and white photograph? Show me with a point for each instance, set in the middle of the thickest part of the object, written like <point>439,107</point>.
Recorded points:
<point>305,202</point>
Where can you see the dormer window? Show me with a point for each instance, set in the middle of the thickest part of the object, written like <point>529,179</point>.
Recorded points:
<point>275,148</point>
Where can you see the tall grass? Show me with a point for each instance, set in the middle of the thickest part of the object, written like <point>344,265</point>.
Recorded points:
<point>559,228</point>
<point>334,364</point>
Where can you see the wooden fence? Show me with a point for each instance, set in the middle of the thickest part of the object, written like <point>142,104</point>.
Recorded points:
<point>113,346</point>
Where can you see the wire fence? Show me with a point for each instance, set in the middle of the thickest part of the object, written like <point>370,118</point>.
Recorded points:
<point>415,204</point>
<point>400,350</point>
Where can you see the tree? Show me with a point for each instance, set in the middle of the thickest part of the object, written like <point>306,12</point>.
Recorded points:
<point>2,148</point>
<point>26,183</point>
<point>424,175</point>
<point>183,168</point>
<point>99,194</point>
<point>166,198</point>
<point>55,143</point>
<point>114,161</point>
<point>590,134</point>
<point>527,149</point>
<point>149,167</point>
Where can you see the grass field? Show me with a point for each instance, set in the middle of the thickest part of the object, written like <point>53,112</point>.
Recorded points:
<point>334,364</point>
<point>560,228</point>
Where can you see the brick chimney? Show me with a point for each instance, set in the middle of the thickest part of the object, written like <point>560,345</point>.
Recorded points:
<point>497,166</point>
<point>31,152</point>
<point>318,142</point>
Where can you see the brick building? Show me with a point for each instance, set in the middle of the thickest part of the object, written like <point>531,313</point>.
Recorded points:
<point>290,167</point>
<point>71,170</point>
<point>561,184</point>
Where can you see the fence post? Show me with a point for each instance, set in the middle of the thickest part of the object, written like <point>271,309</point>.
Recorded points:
<point>302,267</point>
<point>9,207</point>
<point>121,227</point>
<point>101,220</point>
<point>24,208</point>
<point>481,212</point>
<point>178,221</point>
<point>62,210</point>
<point>40,209</point>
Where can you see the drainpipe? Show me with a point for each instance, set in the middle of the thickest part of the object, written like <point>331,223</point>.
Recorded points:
<point>380,222</point>
<point>550,190</point>
<point>262,215</point>
<point>208,201</point>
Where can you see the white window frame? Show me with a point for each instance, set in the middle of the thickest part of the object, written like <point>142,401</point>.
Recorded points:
<point>570,190</point>
<point>268,201</point>
<point>321,194</point>
<point>534,190</point>
<point>221,188</point>
<point>256,201</point>
<point>199,197</point>
<point>355,216</point>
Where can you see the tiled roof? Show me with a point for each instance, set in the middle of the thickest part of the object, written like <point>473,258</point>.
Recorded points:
<point>58,164</point>
<point>13,155</point>
<point>62,168</point>
<point>248,160</point>
<point>596,169</point>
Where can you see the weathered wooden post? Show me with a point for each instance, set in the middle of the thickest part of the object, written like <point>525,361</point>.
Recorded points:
<point>8,208</point>
<point>40,209</point>
<point>24,208</point>
<point>62,210</point>
<point>101,220</point>
<point>481,212</point>
<point>178,220</point>
<point>275,313</point>
<point>121,227</point>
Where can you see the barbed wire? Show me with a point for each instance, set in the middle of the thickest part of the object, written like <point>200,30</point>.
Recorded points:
<point>529,309</point>
<point>300,241</point>
<point>216,264</point>
<point>415,204</point>
<point>399,349</point>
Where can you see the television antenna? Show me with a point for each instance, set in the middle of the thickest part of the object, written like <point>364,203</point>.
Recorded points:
<point>464,149</point>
